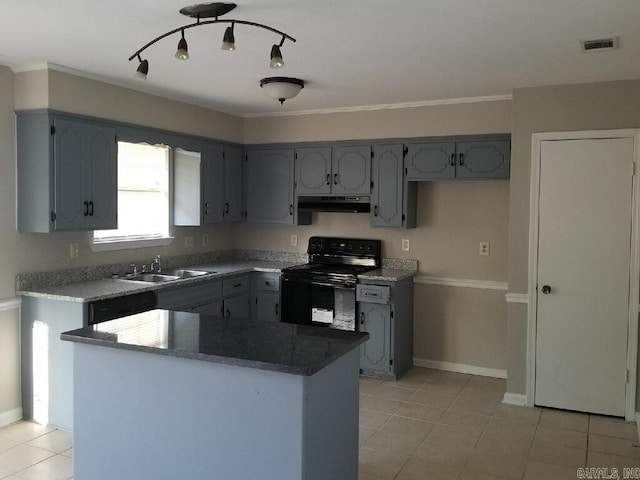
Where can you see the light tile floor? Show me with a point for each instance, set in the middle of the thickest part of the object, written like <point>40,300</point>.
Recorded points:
<point>429,425</point>
<point>440,425</point>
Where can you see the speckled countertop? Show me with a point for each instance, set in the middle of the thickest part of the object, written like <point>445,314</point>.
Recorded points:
<point>100,289</point>
<point>94,283</point>
<point>275,346</point>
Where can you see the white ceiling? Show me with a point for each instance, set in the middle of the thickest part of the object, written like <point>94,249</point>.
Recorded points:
<point>351,53</point>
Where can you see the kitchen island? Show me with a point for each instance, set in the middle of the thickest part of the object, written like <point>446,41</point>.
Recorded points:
<point>167,394</point>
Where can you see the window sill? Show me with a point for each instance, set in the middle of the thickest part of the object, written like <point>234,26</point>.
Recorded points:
<point>130,244</point>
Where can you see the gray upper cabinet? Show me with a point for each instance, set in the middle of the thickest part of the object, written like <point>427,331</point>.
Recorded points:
<point>386,186</point>
<point>269,185</point>
<point>313,171</point>
<point>483,159</point>
<point>339,170</point>
<point>207,186</point>
<point>232,212</point>
<point>351,170</point>
<point>486,157</point>
<point>67,173</point>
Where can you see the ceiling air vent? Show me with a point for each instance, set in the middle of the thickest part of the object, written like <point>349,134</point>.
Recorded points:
<point>599,44</point>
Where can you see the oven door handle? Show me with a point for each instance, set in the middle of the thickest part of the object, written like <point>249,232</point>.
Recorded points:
<point>321,284</point>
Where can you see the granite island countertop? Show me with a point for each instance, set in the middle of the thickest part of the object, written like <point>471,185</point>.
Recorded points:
<point>275,346</point>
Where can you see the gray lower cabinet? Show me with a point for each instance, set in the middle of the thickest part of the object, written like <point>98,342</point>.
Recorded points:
<point>485,157</point>
<point>235,291</point>
<point>207,185</point>
<point>266,296</point>
<point>67,173</point>
<point>339,170</point>
<point>205,298</point>
<point>393,200</point>
<point>386,313</point>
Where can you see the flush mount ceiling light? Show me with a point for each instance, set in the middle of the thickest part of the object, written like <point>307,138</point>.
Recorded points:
<point>282,88</point>
<point>214,11</point>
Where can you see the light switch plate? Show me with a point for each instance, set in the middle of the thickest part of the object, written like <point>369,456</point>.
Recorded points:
<point>74,251</point>
<point>294,240</point>
<point>188,242</point>
<point>405,244</point>
<point>483,249</point>
<point>205,239</point>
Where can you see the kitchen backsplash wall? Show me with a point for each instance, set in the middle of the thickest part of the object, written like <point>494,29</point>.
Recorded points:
<point>453,217</point>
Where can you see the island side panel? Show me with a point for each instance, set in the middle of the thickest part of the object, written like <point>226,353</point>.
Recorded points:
<point>331,414</point>
<point>142,415</point>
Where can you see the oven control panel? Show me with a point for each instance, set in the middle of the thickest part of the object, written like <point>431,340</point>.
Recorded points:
<point>344,246</point>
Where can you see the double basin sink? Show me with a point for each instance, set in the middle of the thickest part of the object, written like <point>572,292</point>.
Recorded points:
<point>169,276</point>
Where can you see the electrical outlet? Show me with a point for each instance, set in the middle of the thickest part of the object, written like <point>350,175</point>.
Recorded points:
<point>188,242</point>
<point>74,250</point>
<point>483,249</point>
<point>205,239</point>
<point>405,244</point>
<point>294,240</point>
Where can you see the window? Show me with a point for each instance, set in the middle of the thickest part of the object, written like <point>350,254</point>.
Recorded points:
<point>143,199</point>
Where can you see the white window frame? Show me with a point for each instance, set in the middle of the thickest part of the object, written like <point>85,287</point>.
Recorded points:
<point>143,241</point>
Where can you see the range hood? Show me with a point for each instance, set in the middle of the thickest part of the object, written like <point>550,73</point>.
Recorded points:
<point>334,204</point>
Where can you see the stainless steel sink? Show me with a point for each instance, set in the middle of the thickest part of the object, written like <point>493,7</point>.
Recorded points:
<point>152,277</point>
<point>187,273</point>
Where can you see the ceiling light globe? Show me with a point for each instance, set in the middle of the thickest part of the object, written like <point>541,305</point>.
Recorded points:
<point>282,88</point>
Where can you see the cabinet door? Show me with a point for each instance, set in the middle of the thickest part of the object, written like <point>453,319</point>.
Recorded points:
<point>237,307</point>
<point>268,306</point>
<point>375,353</point>
<point>102,177</point>
<point>232,184</point>
<point>386,191</point>
<point>86,188</point>
<point>351,170</point>
<point>483,159</point>
<point>269,185</point>
<point>212,183</point>
<point>313,171</point>
<point>430,161</point>
<point>212,308</point>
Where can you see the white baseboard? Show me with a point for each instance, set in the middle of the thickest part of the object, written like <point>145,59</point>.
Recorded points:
<point>515,399</point>
<point>460,368</point>
<point>11,416</point>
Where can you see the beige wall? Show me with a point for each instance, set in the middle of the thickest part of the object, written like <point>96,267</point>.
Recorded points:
<point>452,119</point>
<point>549,109</point>
<point>9,362</point>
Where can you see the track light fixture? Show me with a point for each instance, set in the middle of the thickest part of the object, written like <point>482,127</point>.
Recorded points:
<point>211,10</point>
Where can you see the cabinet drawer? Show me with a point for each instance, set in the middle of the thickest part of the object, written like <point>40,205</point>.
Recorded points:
<point>267,282</point>
<point>189,296</point>
<point>235,285</point>
<point>373,293</point>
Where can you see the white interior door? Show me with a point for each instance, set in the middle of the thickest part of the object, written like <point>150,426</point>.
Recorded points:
<point>584,258</point>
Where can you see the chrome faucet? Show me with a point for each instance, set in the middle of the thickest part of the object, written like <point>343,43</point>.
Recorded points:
<point>134,269</point>
<point>156,266</point>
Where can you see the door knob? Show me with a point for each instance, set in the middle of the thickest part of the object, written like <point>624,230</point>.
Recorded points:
<point>546,289</point>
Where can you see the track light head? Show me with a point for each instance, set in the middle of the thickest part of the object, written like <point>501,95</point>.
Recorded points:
<point>182,52</point>
<point>276,57</point>
<point>229,41</point>
<point>143,69</point>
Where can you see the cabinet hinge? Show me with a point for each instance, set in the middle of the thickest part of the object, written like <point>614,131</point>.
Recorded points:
<point>295,185</point>
<point>633,169</point>
<point>405,150</point>
<point>391,362</point>
<point>53,130</point>
<point>406,170</point>
<point>295,155</point>
<point>403,217</point>
<point>372,153</point>
<point>627,381</point>
<point>371,183</point>
<point>53,217</point>
<point>391,314</point>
